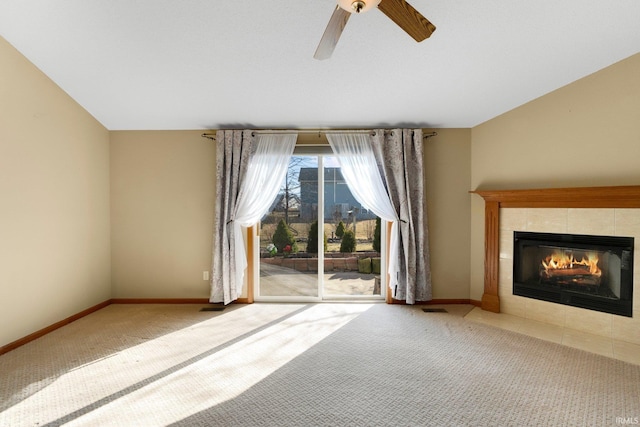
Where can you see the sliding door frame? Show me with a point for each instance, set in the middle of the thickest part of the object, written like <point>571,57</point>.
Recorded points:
<point>252,281</point>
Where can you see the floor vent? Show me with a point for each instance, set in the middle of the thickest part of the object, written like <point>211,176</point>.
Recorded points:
<point>434,310</point>
<point>213,308</point>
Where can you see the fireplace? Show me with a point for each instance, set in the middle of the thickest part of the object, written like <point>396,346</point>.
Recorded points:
<point>592,272</point>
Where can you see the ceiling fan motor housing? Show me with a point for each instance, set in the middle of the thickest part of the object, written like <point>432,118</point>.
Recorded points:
<point>358,6</point>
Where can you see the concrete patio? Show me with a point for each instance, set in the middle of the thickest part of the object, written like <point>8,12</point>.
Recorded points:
<point>281,281</point>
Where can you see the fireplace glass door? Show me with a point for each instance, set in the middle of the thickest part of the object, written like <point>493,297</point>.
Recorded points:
<point>593,272</point>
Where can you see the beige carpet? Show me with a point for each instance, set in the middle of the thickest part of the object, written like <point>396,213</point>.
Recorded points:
<point>306,365</point>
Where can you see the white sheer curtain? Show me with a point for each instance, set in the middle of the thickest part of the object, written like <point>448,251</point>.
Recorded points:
<point>355,156</point>
<point>266,168</point>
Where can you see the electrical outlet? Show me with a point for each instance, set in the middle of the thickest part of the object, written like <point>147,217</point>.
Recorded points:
<point>205,275</point>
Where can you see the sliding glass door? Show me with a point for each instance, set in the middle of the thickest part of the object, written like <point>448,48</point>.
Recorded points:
<point>288,267</point>
<point>351,263</point>
<point>317,242</point>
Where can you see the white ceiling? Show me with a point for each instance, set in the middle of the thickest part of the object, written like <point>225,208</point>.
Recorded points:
<point>196,64</point>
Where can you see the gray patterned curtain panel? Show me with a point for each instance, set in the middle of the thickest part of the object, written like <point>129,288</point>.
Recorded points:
<point>400,152</point>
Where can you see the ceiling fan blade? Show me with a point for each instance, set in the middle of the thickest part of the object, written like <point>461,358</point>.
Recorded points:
<point>332,33</point>
<point>409,19</point>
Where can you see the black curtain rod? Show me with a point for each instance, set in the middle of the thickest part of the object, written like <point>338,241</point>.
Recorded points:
<point>318,131</point>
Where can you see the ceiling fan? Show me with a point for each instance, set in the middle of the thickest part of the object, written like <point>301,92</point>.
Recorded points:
<point>399,11</point>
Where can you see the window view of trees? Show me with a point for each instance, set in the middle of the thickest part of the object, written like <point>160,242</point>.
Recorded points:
<point>296,209</point>
<point>283,239</point>
<point>290,230</point>
<point>348,242</point>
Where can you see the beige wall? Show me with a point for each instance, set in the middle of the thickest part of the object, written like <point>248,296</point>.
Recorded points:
<point>448,176</point>
<point>584,134</point>
<point>162,210</point>
<point>54,202</point>
<point>162,198</point>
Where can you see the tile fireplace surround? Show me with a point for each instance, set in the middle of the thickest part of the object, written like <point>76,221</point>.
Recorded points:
<point>607,211</point>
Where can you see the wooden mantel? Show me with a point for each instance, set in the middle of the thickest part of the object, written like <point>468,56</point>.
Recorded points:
<point>577,197</point>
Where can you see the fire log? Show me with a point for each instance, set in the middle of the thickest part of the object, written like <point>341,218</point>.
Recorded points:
<point>570,276</point>
<point>567,272</point>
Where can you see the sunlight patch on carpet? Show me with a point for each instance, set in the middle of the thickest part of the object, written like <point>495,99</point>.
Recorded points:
<point>226,374</point>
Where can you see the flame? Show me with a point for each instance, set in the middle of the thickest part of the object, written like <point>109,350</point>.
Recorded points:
<point>564,260</point>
